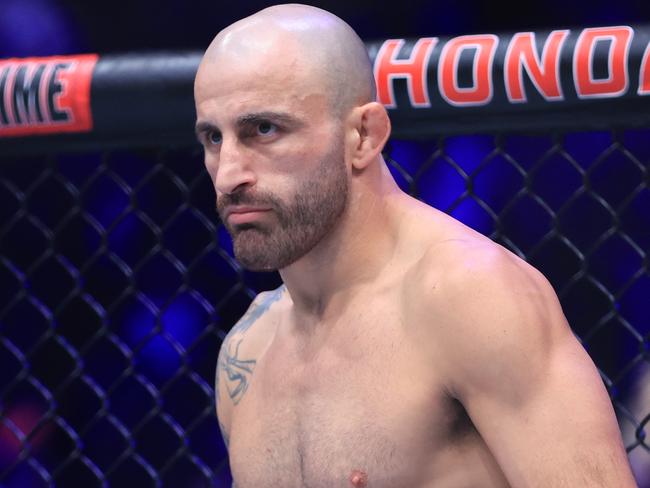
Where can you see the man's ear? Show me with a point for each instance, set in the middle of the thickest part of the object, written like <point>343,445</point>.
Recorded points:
<point>369,131</point>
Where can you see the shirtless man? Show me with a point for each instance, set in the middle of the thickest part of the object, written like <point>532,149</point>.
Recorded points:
<point>404,350</point>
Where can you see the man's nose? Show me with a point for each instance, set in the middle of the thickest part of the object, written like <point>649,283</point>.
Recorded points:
<point>234,170</point>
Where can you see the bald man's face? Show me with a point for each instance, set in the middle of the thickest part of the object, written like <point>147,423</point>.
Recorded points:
<point>274,151</point>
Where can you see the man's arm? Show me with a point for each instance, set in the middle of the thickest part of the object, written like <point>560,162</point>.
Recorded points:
<point>529,387</point>
<point>237,360</point>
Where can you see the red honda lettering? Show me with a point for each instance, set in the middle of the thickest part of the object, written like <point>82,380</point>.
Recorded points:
<point>544,72</point>
<point>414,69</point>
<point>617,81</point>
<point>644,77</point>
<point>481,91</point>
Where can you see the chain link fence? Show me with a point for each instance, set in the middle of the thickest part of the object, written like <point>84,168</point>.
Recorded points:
<point>117,286</point>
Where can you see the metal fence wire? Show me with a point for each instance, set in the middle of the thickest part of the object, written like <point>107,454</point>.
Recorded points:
<point>117,286</point>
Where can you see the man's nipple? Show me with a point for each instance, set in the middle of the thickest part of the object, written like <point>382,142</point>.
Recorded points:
<point>358,479</point>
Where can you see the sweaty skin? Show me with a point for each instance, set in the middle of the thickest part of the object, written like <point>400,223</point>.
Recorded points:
<point>404,349</point>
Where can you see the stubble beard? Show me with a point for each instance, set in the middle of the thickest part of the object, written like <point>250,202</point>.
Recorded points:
<point>301,221</point>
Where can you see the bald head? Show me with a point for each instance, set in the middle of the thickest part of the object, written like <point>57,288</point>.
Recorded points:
<point>316,44</point>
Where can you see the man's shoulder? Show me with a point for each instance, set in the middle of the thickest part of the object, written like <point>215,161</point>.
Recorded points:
<point>476,303</point>
<point>473,269</point>
<point>257,324</point>
<point>453,255</point>
<point>466,264</point>
<point>259,309</point>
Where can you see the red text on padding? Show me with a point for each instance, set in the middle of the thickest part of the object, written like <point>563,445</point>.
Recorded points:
<point>45,95</point>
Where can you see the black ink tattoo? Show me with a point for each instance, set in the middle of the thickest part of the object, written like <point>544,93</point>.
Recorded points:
<point>256,310</point>
<point>238,371</point>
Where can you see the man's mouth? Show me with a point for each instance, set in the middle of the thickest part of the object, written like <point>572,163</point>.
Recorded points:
<point>237,215</point>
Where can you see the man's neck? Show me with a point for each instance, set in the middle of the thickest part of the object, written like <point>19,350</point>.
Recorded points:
<point>322,282</point>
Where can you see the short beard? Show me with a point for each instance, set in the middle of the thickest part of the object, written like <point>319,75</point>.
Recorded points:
<point>303,221</point>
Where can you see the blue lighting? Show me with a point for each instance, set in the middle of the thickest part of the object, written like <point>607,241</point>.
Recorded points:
<point>34,28</point>
<point>184,319</point>
<point>158,360</point>
<point>469,151</point>
<point>225,242</point>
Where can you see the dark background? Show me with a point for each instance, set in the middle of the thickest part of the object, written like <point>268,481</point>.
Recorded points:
<point>43,27</point>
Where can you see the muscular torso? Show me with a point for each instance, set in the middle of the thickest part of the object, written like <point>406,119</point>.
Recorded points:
<point>359,397</point>
<point>373,386</point>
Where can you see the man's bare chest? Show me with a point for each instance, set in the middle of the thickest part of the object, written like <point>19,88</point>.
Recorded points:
<point>314,417</point>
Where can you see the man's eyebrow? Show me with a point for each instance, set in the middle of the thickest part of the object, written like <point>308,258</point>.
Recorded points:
<point>278,117</point>
<point>250,119</point>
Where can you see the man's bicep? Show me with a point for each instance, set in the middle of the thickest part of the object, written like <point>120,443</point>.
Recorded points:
<point>529,387</point>
<point>549,421</point>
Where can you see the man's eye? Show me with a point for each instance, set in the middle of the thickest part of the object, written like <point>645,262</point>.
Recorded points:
<point>214,137</point>
<point>266,128</point>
